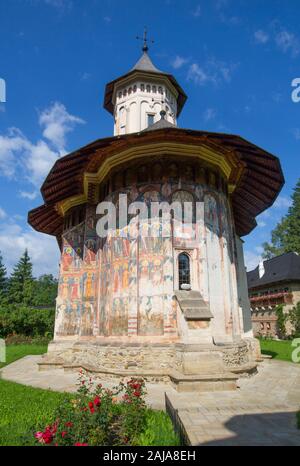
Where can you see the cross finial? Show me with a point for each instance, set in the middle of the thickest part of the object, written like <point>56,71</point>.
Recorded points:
<point>145,40</point>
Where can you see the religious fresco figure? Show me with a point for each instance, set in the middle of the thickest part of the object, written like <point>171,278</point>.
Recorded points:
<point>166,188</point>
<point>67,258</point>
<point>88,284</point>
<point>211,214</point>
<point>75,287</point>
<point>125,276</point>
<point>119,317</point>
<point>87,320</point>
<point>150,321</point>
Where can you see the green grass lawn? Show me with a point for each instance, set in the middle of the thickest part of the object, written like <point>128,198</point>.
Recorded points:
<point>23,408</point>
<point>14,352</point>
<point>277,349</point>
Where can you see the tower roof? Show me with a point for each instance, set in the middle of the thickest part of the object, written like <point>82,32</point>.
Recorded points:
<point>143,65</point>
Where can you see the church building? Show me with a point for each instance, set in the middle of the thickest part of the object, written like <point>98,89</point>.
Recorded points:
<point>172,307</point>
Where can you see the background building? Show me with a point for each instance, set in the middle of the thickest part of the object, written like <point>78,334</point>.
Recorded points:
<point>273,282</point>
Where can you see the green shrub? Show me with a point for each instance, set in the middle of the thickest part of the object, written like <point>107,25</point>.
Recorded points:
<point>26,321</point>
<point>98,416</point>
<point>295,320</point>
<point>281,321</point>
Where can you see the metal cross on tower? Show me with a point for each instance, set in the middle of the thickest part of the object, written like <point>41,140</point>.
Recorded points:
<point>145,40</point>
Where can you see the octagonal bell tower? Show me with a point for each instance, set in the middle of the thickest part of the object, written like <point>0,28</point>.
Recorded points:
<point>137,98</point>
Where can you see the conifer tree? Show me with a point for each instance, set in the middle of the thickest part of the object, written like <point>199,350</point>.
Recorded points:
<point>21,283</point>
<point>286,235</point>
<point>3,281</point>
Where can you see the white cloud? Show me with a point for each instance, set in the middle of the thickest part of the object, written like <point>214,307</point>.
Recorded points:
<point>2,213</point>
<point>57,123</point>
<point>213,71</point>
<point>43,249</point>
<point>282,202</point>
<point>261,224</point>
<point>178,62</point>
<point>296,133</point>
<point>59,4</point>
<point>197,11</point>
<point>197,74</point>
<point>209,114</point>
<point>261,37</point>
<point>85,76</point>
<point>10,145</point>
<point>251,260</point>
<point>29,195</point>
<point>34,160</point>
<point>287,42</point>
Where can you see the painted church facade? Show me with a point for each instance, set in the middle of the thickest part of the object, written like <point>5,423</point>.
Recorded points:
<point>170,307</point>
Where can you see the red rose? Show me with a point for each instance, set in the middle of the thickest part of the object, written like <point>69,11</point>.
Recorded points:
<point>137,394</point>
<point>91,407</point>
<point>64,433</point>
<point>78,444</point>
<point>69,424</point>
<point>97,401</point>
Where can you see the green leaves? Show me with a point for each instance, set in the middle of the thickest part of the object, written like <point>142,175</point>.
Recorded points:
<point>286,235</point>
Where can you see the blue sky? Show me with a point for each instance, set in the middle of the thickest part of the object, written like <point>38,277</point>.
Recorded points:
<point>235,59</point>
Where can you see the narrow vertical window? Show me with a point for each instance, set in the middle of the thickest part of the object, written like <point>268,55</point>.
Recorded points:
<point>184,269</point>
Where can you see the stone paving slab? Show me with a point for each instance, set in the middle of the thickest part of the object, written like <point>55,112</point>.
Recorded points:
<point>262,411</point>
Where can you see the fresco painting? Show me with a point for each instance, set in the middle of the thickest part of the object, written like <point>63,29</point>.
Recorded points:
<point>136,275</point>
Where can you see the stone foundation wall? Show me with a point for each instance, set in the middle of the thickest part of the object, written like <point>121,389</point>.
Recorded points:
<point>158,360</point>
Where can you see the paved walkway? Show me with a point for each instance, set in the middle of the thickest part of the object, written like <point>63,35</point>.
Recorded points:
<point>261,412</point>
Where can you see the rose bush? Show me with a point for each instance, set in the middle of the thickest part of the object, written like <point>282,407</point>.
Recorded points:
<point>98,416</point>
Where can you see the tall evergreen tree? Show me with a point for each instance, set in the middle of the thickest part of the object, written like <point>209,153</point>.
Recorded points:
<point>45,291</point>
<point>3,281</point>
<point>21,283</point>
<point>286,235</point>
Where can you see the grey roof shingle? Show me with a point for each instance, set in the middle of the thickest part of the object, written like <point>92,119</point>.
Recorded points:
<point>145,64</point>
<point>160,124</point>
<point>281,268</point>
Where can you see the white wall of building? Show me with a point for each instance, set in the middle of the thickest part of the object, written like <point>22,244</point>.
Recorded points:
<point>139,103</point>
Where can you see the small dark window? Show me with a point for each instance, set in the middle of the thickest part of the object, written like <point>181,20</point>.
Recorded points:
<point>150,120</point>
<point>184,269</point>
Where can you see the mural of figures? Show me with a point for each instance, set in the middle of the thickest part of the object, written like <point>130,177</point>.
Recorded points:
<point>119,317</point>
<point>87,320</point>
<point>88,285</point>
<point>151,320</point>
<point>124,284</point>
<point>211,214</point>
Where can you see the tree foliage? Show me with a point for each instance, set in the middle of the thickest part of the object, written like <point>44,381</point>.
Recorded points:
<point>286,235</point>
<point>20,286</point>
<point>3,281</point>
<point>27,305</point>
<point>295,320</point>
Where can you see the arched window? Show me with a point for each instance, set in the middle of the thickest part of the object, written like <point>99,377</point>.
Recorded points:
<point>154,89</point>
<point>148,88</point>
<point>142,87</point>
<point>184,273</point>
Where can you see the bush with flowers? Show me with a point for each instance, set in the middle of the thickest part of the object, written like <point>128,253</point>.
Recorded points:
<point>98,416</point>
